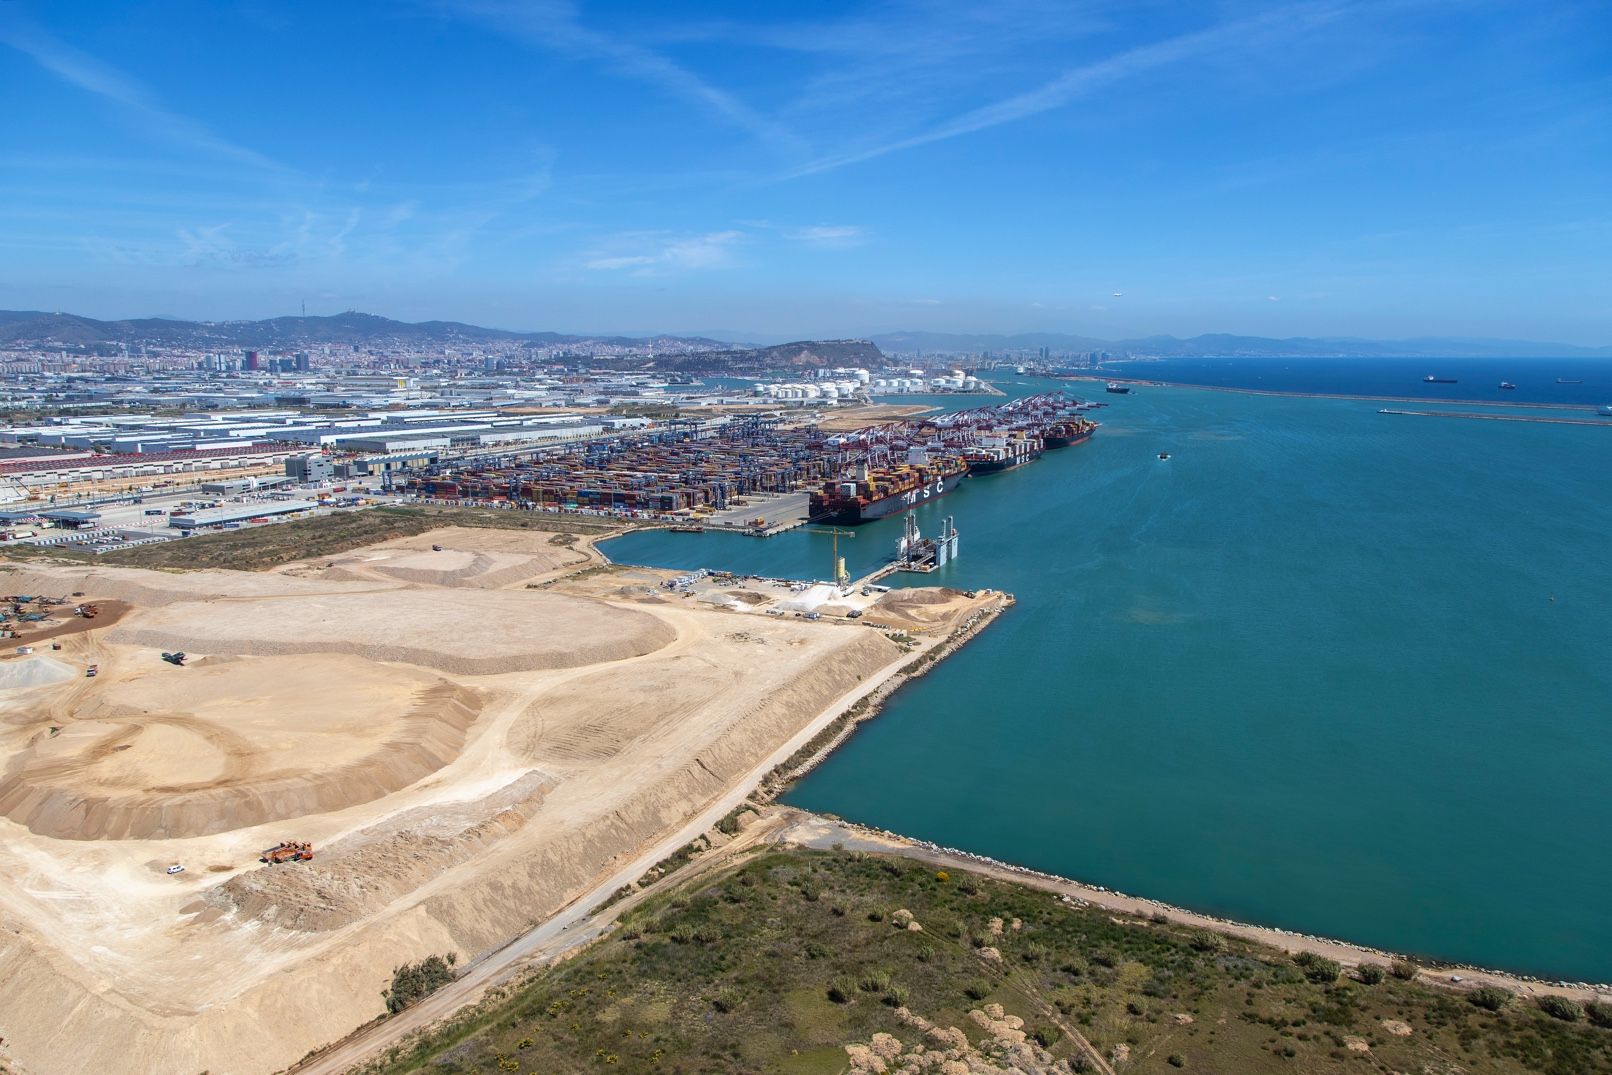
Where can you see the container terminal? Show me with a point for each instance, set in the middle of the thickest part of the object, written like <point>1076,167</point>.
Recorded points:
<point>684,473</point>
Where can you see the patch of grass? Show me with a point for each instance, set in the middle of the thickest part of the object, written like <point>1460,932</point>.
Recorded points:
<point>695,981</point>
<point>259,548</point>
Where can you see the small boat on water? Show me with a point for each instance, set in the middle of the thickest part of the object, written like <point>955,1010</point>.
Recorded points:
<point>1604,410</point>
<point>1164,455</point>
<point>1507,385</point>
<point>1430,379</point>
<point>1567,380</point>
<point>1117,388</point>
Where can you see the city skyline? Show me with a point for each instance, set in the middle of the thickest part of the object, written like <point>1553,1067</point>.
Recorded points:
<point>1313,169</point>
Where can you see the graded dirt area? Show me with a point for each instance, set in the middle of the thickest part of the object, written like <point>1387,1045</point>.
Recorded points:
<point>483,559</point>
<point>470,738</point>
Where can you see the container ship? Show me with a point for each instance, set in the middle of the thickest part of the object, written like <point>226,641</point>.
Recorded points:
<point>996,452</point>
<point>1430,379</point>
<point>1117,388</point>
<point>879,492</point>
<point>1064,434</point>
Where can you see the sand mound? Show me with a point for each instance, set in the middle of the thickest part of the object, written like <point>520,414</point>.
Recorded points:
<point>596,716</point>
<point>220,749</point>
<point>470,558</point>
<point>904,599</point>
<point>368,870</point>
<point>146,589</point>
<point>33,672</point>
<point>481,570</point>
<point>469,632</point>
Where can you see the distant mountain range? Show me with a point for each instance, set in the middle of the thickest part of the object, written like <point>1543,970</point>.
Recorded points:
<point>71,330</point>
<point>1220,345</point>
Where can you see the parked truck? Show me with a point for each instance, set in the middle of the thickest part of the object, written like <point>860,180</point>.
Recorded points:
<point>288,851</point>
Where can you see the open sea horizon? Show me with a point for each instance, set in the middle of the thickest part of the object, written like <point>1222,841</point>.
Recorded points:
<point>1324,669</point>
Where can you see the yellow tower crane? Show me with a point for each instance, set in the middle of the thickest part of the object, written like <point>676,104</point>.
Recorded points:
<point>839,575</point>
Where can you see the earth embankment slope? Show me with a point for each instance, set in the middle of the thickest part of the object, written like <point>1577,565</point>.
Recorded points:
<point>464,760</point>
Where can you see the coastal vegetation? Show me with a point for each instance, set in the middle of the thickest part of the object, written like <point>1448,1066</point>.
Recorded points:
<point>413,982</point>
<point>259,548</point>
<point>803,962</point>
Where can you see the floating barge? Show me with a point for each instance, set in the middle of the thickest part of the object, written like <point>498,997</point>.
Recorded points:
<point>914,552</point>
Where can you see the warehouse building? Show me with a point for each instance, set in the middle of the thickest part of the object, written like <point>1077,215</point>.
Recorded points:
<point>310,468</point>
<point>238,513</point>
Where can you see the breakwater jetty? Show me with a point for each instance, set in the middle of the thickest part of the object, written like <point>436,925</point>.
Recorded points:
<point>1549,419</point>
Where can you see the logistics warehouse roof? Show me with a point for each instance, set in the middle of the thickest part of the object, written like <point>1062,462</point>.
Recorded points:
<point>237,512</point>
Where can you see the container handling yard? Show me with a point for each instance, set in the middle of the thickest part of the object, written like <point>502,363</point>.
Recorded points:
<point>696,475</point>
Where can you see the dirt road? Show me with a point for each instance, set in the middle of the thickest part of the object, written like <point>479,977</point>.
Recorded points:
<point>571,929</point>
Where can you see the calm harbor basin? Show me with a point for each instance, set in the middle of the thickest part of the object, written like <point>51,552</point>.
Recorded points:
<point>1322,669</point>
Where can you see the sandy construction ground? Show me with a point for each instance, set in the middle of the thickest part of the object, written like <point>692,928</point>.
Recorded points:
<point>469,739</point>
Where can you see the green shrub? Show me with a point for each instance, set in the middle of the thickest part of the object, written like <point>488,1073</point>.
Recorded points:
<point>1490,997</point>
<point>1370,973</point>
<point>1176,1060</point>
<point>977,990</point>
<point>842,989</point>
<point>1318,969</point>
<point>1563,1008</point>
<point>1404,970</point>
<point>1599,1014</point>
<point>1203,940</point>
<point>726,1001</point>
<point>415,981</point>
<point>895,996</point>
<point>875,981</point>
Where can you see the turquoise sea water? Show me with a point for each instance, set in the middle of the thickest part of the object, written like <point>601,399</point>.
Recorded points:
<point>1324,669</point>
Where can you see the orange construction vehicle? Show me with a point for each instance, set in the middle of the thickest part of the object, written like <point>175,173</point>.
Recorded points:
<point>288,851</point>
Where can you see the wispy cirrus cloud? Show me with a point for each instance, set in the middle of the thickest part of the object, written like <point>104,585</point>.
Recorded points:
<point>556,25</point>
<point>1264,30</point>
<point>128,95</point>
<point>648,253</point>
<point>831,236</point>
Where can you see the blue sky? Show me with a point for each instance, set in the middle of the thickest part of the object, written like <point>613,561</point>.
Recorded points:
<point>766,171</point>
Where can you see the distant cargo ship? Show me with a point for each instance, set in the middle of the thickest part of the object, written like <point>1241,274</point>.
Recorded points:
<point>1605,410</point>
<point>1430,379</point>
<point>877,493</point>
<point>1117,388</point>
<point>1065,434</point>
<point>1566,380</point>
<point>1507,385</point>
